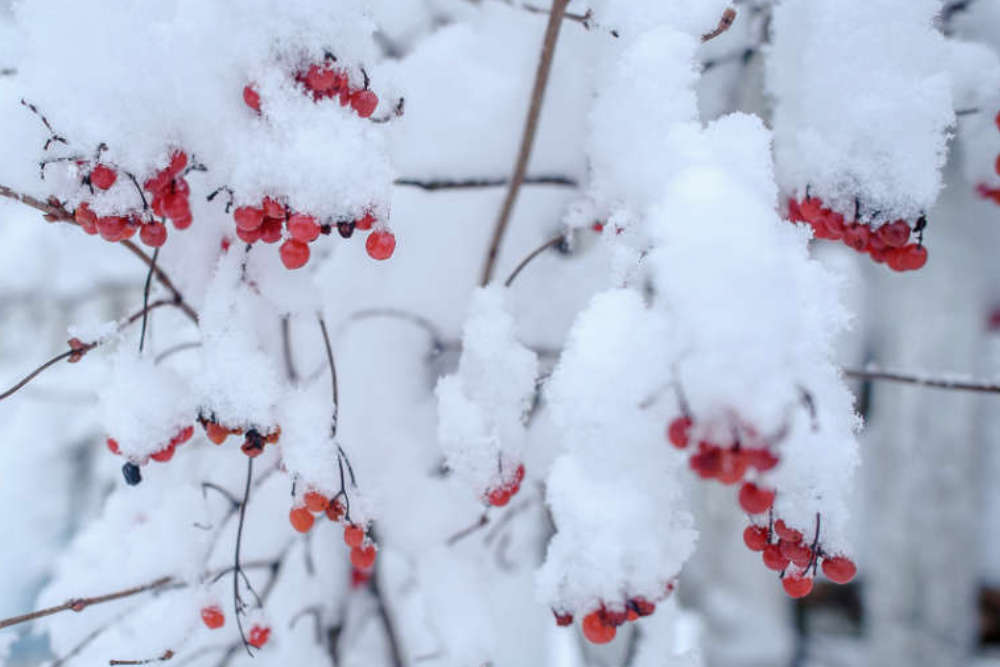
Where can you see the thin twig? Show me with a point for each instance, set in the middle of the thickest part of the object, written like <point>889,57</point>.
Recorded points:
<point>528,138</point>
<point>145,298</point>
<point>383,611</point>
<point>237,570</point>
<point>167,655</point>
<point>475,183</point>
<point>79,604</point>
<point>482,522</point>
<point>333,376</point>
<point>934,383</point>
<point>171,351</point>
<point>551,243</point>
<point>286,344</point>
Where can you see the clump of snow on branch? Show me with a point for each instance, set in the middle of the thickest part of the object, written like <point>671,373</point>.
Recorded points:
<point>862,103</point>
<point>482,406</point>
<point>622,524</point>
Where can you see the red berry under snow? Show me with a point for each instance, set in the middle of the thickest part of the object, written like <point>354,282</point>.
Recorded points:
<point>303,228</point>
<point>153,234</point>
<point>252,98</point>
<point>754,499</point>
<point>678,431</point>
<point>301,519</point>
<point>755,537</point>
<point>839,569</point>
<point>773,559</point>
<point>363,557</point>
<point>213,617</point>
<point>364,102</point>
<point>354,535</point>
<point>797,585</point>
<point>258,636</point>
<point>103,177</point>
<point>596,630</point>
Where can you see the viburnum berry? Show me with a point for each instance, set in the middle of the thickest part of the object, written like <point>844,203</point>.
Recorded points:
<point>785,533</point>
<point>596,630</point>
<point>103,177</point>
<point>258,636</point>
<point>894,234</point>
<point>755,537</point>
<point>335,511</point>
<point>754,499</point>
<point>294,254</point>
<point>131,473</point>
<point>354,535</point>
<point>86,218</point>
<point>797,585</point>
<point>760,458</point>
<point>562,620</point>
<point>839,569</point>
<point>498,497</point>
<point>773,559</point>
<point>642,606</point>
<point>380,244</point>
<point>182,436</point>
<point>678,431</point>
<point>798,553</point>
<point>316,502</point>
<point>365,222</point>
<point>364,102</point>
<point>251,97</point>
<point>708,461</point>
<point>321,79</point>
<point>217,433</point>
<point>153,234</point>
<point>363,557</point>
<point>164,454</point>
<point>113,446</point>
<point>733,467</point>
<point>270,230</point>
<point>360,577</point>
<point>301,519</point>
<point>303,228</point>
<point>248,218</point>
<point>213,617</point>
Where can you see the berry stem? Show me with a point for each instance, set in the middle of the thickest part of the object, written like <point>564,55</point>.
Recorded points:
<point>551,243</point>
<point>528,138</point>
<point>237,570</point>
<point>333,375</point>
<point>475,183</point>
<point>145,298</point>
<point>871,373</point>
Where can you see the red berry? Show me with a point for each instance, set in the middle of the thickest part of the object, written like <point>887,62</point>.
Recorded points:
<point>364,103</point>
<point>773,560</point>
<point>894,234</point>
<point>596,630</point>
<point>182,436</point>
<point>519,474</point>
<point>164,454</point>
<point>612,617</point>
<point>912,257</point>
<point>86,218</point>
<point>798,553</point>
<point>755,537</point>
<point>499,496</point>
<point>252,98</point>
<point>320,79</point>
<point>733,467</point>
<point>642,606</point>
<point>856,236</point>
<point>754,500</point>
<point>103,177</point>
<point>363,557</point>
<point>811,208</point>
<point>794,214</point>
<point>761,458</point>
<point>270,230</point>
<point>273,209</point>
<point>153,234</point>
<point>316,502</point>
<point>216,432</point>
<point>996,165</point>
<point>678,432</point>
<point>213,617</point>
<point>301,519</point>
<point>248,218</point>
<point>839,569</point>
<point>359,577</point>
<point>335,511</point>
<point>562,620</point>
<point>113,446</point>
<point>258,636</point>
<point>354,535</point>
<point>797,585</point>
<point>380,244</point>
<point>176,207</point>
<point>111,228</point>
<point>248,235</point>
<point>365,222</point>
<point>303,228</point>
<point>785,533</point>
<point>178,160</point>
<point>294,254</point>
<point>707,463</point>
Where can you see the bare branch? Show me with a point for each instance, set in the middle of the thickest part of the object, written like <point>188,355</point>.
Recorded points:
<point>551,243</point>
<point>528,138</point>
<point>167,655</point>
<point>934,383</point>
<point>333,379</point>
<point>474,183</point>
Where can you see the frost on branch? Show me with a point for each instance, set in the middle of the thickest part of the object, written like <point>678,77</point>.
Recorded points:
<point>482,406</point>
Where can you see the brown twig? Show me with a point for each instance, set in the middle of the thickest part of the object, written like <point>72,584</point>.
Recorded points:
<point>237,569</point>
<point>82,350</point>
<point>528,138</point>
<point>481,523</point>
<point>551,243</point>
<point>56,212</point>
<point>79,604</point>
<point>286,345</point>
<point>475,183</point>
<point>725,23</point>
<point>934,383</point>
<point>167,655</point>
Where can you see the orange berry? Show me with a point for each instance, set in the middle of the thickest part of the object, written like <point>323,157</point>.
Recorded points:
<point>363,557</point>
<point>213,617</point>
<point>354,535</point>
<point>316,502</point>
<point>301,519</point>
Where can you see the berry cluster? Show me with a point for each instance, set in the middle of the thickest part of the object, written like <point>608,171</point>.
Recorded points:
<point>169,192</point>
<point>985,191</point>
<point>601,625</point>
<point>162,455</point>
<point>253,440</point>
<point>325,81</point>
<point>727,464</point>
<point>270,221</point>
<point>888,243</point>
<point>501,495</point>
<point>302,517</point>
<point>784,550</point>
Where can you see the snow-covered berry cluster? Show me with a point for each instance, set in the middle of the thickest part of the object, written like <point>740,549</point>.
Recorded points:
<point>728,464</point>
<point>326,81</point>
<point>254,440</point>
<point>161,455</point>
<point>887,243</point>
<point>500,495</point>
<point>601,625</point>
<point>169,191</point>
<point>315,504</point>
<point>272,221</point>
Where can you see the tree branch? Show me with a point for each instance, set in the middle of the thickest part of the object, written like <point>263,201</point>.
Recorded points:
<point>934,383</point>
<point>474,183</point>
<point>528,138</point>
<point>551,243</point>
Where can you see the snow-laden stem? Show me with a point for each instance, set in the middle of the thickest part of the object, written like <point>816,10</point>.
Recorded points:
<point>551,243</point>
<point>528,138</point>
<point>477,183</point>
<point>934,383</point>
